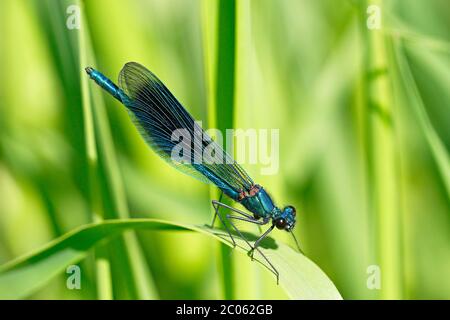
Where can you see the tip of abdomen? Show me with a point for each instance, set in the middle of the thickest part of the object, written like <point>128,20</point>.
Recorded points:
<point>89,70</point>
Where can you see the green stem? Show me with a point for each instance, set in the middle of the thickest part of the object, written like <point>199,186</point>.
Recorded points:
<point>133,277</point>
<point>383,163</point>
<point>102,264</point>
<point>225,106</point>
<point>219,39</point>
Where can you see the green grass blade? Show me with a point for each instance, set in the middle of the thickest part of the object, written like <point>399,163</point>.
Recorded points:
<point>220,74</point>
<point>299,276</point>
<point>382,161</point>
<point>128,257</point>
<point>102,263</point>
<point>224,110</point>
<point>437,146</point>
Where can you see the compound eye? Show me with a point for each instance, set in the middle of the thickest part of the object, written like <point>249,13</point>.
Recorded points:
<point>280,223</point>
<point>294,212</point>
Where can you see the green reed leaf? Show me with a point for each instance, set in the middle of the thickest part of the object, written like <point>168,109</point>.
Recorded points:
<point>299,276</point>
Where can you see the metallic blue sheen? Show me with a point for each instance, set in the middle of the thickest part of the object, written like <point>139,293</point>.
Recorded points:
<point>106,84</point>
<point>260,204</point>
<point>157,113</point>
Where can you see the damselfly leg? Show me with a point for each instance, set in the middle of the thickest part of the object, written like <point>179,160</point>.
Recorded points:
<point>247,218</point>
<point>257,242</point>
<point>216,210</point>
<point>216,207</point>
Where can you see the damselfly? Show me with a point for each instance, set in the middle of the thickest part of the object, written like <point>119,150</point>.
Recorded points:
<point>157,114</point>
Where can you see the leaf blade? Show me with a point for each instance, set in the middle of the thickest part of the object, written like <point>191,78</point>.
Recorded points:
<point>299,276</point>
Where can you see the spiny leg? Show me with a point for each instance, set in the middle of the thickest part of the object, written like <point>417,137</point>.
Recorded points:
<point>257,242</point>
<point>247,218</point>
<point>252,248</point>
<point>274,271</point>
<point>216,210</point>
<point>229,217</point>
<point>216,205</point>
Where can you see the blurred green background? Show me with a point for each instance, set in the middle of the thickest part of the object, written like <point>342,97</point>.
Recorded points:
<point>364,125</point>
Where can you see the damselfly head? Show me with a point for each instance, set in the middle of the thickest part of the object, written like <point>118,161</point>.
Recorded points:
<point>286,220</point>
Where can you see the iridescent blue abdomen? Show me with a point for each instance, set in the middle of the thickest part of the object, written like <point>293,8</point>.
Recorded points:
<point>106,84</point>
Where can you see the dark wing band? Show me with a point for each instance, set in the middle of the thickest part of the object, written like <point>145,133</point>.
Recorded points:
<point>157,113</point>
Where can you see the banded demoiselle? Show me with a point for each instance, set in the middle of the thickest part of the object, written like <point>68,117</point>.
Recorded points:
<point>157,114</point>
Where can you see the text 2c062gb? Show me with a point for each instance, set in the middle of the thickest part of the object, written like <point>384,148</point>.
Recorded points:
<point>245,309</point>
